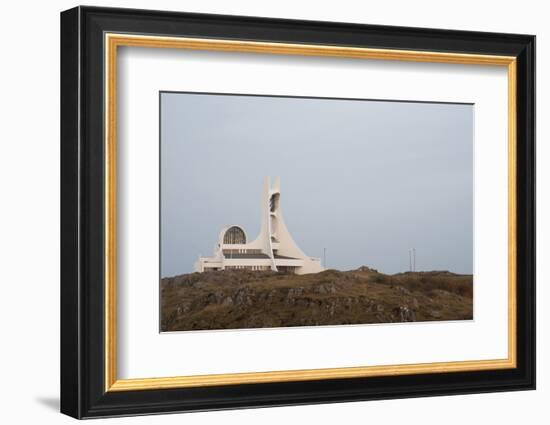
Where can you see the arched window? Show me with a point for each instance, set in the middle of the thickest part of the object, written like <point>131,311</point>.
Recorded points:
<point>234,235</point>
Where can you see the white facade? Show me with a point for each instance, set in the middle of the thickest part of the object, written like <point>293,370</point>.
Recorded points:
<point>273,249</point>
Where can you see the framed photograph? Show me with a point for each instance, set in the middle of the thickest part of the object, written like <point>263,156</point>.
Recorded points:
<point>261,212</point>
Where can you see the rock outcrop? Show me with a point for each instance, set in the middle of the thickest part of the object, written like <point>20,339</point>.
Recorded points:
<point>246,299</point>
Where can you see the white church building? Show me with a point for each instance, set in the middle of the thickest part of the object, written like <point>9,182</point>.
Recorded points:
<point>273,249</point>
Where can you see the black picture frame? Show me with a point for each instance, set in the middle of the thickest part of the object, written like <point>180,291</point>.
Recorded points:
<point>83,392</point>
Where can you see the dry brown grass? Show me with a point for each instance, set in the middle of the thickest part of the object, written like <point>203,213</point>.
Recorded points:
<point>246,299</point>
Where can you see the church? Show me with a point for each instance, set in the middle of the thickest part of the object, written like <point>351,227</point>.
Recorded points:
<point>273,249</point>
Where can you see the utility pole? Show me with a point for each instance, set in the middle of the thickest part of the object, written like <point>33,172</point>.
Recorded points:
<point>410,260</point>
<point>325,258</point>
<point>414,259</point>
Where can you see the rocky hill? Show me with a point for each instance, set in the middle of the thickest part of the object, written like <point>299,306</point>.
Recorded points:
<point>250,299</point>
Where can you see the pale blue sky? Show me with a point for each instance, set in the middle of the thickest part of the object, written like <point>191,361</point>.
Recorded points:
<point>367,180</point>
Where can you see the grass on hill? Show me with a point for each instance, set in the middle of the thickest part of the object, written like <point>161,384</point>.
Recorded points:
<point>239,299</point>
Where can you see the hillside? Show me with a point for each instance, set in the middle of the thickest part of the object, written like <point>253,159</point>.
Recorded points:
<point>247,299</point>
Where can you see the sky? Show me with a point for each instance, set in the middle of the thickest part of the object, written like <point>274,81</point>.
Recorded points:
<point>365,180</point>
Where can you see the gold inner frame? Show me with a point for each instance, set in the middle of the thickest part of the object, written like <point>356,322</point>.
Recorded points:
<point>113,41</point>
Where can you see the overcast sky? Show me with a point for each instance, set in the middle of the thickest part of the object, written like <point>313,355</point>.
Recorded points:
<point>367,180</point>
